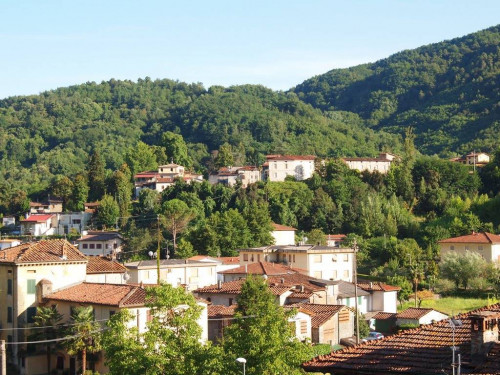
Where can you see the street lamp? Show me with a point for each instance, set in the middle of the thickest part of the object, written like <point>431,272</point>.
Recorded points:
<point>242,360</point>
<point>455,367</point>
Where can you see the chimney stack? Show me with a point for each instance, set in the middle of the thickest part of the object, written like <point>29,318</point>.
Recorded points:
<point>484,332</point>
<point>219,284</point>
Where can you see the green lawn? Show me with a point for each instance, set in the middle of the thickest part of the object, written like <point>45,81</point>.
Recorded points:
<point>450,305</point>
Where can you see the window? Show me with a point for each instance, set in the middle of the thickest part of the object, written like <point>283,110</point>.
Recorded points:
<point>107,246</point>
<point>348,302</point>
<point>359,300</point>
<point>98,246</point>
<point>77,221</point>
<point>9,287</point>
<point>317,258</point>
<point>30,314</point>
<point>303,327</point>
<point>289,258</point>
<point>346,257</point>
<point>9,314</point>
<point>452,247</point>
<point>251,258</point>
<point>111,313</point>
<point>149,316</point>
<point>115,245</point>
<point>480,248</point>
<point>230,301</point>
<point>31,286</point>
<point>91,246</point>
<point>60,363</point>
<point>245,257</point>
<point>294,258</point>
<point>85,246</point>
<point>346,274</point>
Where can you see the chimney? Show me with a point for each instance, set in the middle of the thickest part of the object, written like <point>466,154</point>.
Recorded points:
<point>219,284</point>
<point>246,268</point>
<point>282,280</point>
<point>484,333</point>
<point>371,285</point>
<point>302,289</point>
<point>43,289</point>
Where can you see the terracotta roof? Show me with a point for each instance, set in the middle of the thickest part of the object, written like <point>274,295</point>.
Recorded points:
<point>335,236</point>
<point>378,159</point>
<point>413,313</point>
<point>377,286</point>
<point>262,268</point>
<point>41,252</point>
<point>220,311</point>
<point>234,287</point>
<point>491,366</point>
<point>423,350</point>
<point>37,218</point>
<point>483,237</point>
<point>229,260</point>
<point>290,157</point>
<point>279,227</point>
<point>384,316</point>
<point>120,295</point>
<point>98,264</point>
<point>320,314</point>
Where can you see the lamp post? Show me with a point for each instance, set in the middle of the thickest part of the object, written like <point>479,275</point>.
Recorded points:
<point>243,361</point>
<point>456,368</point>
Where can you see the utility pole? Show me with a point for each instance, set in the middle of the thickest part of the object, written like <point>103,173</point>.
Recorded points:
<point>158,250</point>
<point>3,371</point>
<point>355,248</point>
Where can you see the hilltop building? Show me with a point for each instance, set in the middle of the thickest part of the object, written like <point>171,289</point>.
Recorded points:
<point>485,244</point>
<point>278,167</point>
<point>382,164</point>
<point>164,177</point>
<point>231,175</point>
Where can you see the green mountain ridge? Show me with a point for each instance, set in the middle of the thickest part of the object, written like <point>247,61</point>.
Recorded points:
<point>53,133</point>
<point>449,92</point>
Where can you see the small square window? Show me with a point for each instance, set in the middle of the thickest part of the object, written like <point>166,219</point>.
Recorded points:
<point>31,286</point>
<point>85,246</point>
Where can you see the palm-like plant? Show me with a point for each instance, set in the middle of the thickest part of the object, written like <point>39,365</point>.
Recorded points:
<point>50,319</point>
<point>85,332</point>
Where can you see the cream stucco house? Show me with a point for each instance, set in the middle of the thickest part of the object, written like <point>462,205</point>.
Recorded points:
<point>278,167</point>
<point>190,273</point>
<point>485,244</point>
<point>381,164</point>
<point>22,270</point>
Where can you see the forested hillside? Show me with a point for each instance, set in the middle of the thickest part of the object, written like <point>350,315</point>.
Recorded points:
<point>53,133</point>
<point>449,92</point>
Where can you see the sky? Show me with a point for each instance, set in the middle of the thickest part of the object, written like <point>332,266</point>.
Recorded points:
<point>46,44</point>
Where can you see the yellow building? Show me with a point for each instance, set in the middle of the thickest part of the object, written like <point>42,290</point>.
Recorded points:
<point>22,268</point>
<point>485,244</point>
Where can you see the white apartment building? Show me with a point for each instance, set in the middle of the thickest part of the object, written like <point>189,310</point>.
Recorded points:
<point>100,243</point>
<point>278,167</point>
<point>231,175</point>
<point>381,164</point>
<point>189,273</point>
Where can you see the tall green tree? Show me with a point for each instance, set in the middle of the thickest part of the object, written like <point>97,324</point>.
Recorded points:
<point>96,173</point>
<point>176,216</point>
<point>170,346</point>
<point>85,334</point>
<point>108,211</point>
<point>141,158</point>
<point>224,156</point>
<point>79,194</point>
<point>122,189</point>
<point>262,335</point>
<point>48,322</point>
<point>63,188</point>
<point>176,149</point>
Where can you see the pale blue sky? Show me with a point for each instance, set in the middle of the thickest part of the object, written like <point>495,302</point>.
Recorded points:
<point>47,44</point>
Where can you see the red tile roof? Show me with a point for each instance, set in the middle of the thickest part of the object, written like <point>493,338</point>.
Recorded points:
<point>98,264</point>
<point>37,218</point>
<point>413,313</point>
<point>290,157</point>
<point>42,252</point>
<point>234,287</point>
<point>101,294</point>
<point>320,314</point>
<point>229,260</point>
<point>384,316</point>
<point>262,268</point>
<point>424,350</point>
<point>335,236</point>
<point>377,286</point>
<point>483,237</point>
<point>279,227</point>
<point>220,311</point>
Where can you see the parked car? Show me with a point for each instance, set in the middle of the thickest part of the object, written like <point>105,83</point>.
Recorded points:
<point>373,336</point>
